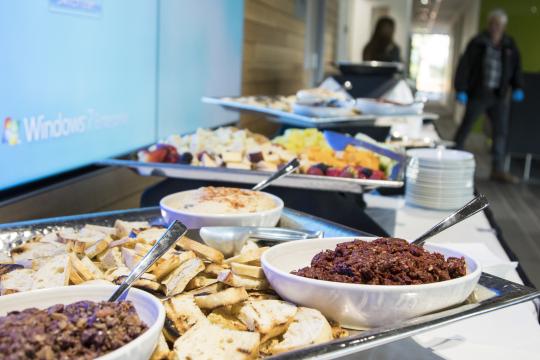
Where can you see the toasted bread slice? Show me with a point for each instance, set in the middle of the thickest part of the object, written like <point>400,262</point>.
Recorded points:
<point>127,241</point>
<point>79,241</point>
<point>262,295</point>
<point>248,246</point>
<point>5,258</point>
<point>167,266</point>
<point>150,236</point>
<point>247,256</point>
<point>51,271</point>
<point>214,269</point>
<point>142,249</point>
<point>124,228</point>
<point>130,258</point>
<point>206,341</point>
<point>183,312</point>
<point>176,282</point>
<point>75,277</point>
<point>338,332</point>
<point>144,284</point>
<point>228,296</point>
<point>222,316</point>
<point>266,346</point>
<point>227,277</point>
<point>99,247</point>
<point>207,290</point>
<point>92,267</point>
<point>25,253</point>
<point>18,280</point>
<point>107,230</point>
<point>78,266</point>
<point>111,259</point>
<point>114,273</point>
<point>201,250</point>
<point>308,327</point>
<point>79,246</point>
<point>162,350</point>
<point>200,281</point>
<point>247,270</point>
<point>97,282</point>
<point>51,237</point>
<point>268,317</point>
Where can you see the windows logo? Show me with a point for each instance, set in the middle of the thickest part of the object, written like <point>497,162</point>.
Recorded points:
<point>10,134</point>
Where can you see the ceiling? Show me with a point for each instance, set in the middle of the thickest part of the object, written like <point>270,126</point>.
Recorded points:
<point>437,13</point>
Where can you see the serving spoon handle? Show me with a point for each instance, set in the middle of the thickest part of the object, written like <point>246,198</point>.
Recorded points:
<point>286,170</point>
<point>167,240</point>
<point>477,204</point>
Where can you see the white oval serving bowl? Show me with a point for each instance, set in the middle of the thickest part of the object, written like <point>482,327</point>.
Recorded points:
<point>360,306</point>
<point>149,308</point>
<point>267,218</point>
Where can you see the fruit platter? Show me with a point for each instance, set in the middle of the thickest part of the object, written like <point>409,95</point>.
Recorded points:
<point>230,154</point>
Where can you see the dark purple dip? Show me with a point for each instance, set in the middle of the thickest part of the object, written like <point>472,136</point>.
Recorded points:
<point>384,261</point>
<point>82,330</point>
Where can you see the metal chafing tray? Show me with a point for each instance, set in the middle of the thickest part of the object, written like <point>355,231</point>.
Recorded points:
<point>290,118</point>
<point>492,293</point>
<point>222,174</point>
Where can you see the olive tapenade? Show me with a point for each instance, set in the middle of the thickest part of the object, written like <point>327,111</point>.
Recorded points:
<point>82,330</point>
<point>384,261</point>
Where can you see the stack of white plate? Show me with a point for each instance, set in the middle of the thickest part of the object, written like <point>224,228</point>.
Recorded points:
<point>439,178</point>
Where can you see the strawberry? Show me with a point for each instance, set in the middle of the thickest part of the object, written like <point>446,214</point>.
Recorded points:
<point>349,172</point>
<point>315,170</point>
<point>157,155</point>
<point>377,175</point>
<point>333,171</point>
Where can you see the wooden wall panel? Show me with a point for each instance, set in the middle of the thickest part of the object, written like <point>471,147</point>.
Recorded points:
<point>273,54</point>
<point>273,62</point>
<point>330,35</point>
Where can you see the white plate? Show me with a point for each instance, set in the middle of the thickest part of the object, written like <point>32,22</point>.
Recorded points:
<point>456,167</point>
<point>149,309</point>
<point>360,306</point>
<point>372,106</point>
<point>440,155</point>
<point>440,194</point>
<point>435,203</point>
<point>440,184</point>
<point>322,111</point>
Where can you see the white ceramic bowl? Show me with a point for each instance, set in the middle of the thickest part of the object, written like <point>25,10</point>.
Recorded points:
<point>194,221</point>
<point>148,307</point>
<point>361,306</point>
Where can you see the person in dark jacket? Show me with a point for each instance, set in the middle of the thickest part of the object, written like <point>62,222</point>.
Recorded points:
<point>381,46</point>
<point>488,74</point>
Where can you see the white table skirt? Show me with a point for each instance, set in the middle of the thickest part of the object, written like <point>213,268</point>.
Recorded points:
<point>511,333</point>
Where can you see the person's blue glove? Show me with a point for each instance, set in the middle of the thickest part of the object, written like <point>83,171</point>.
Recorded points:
<point>462,97</point>
<point>518,95</point>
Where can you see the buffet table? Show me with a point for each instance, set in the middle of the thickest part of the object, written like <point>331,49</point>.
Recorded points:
<point>480,337</point>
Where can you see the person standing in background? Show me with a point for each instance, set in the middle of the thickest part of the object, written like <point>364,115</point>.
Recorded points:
<point>381,46</point>
<point>488,70</point>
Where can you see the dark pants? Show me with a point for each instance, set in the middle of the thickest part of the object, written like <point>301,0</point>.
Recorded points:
<point>496,109</point>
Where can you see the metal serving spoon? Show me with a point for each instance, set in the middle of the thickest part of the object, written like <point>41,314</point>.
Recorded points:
<point>169,238</point>
<point>230,239</point>
<point>477,204</point>
<point>286,170</point>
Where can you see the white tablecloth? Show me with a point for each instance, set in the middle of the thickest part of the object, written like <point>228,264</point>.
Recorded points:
<point>511,333</point>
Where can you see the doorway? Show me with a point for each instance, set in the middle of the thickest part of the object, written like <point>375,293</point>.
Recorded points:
<point>430,66</point>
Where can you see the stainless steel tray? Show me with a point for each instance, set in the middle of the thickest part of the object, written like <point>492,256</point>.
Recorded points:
<point>289,118</point>
<point>492,293</point>
<point>221,174</point>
